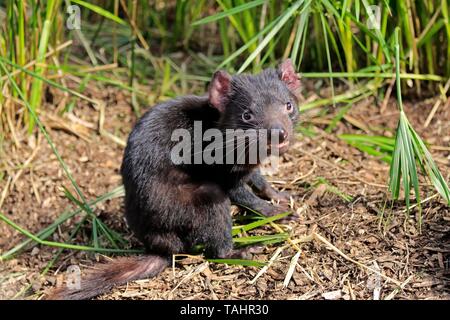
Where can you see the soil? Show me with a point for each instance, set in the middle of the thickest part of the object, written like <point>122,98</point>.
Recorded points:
<point>346,235</point>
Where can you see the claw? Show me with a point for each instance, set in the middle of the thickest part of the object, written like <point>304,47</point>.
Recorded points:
<point>282,196</point>
<point>244,253</point>
<point>272,210</point>
<point>273,194</point>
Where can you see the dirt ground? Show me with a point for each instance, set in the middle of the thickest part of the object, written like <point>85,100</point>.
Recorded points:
<point>347,255</point>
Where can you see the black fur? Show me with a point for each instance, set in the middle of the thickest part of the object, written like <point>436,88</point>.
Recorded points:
<point>171,208</point>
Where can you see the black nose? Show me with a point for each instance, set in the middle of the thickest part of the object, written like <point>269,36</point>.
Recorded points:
<point>282,134</point>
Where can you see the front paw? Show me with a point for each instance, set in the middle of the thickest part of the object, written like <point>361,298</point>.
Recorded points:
<point>281,196</point>
<point>242,253</point>
<point>270,210</point>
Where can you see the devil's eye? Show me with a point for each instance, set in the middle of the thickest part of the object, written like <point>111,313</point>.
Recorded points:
<point>288,106</point>
<point>247,116</point>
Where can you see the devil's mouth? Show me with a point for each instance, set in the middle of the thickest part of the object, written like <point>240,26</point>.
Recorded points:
<point>281,147</point>
<point>283,144</point>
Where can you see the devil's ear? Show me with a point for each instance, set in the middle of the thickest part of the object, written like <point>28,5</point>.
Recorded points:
<point>288,75</point>
<point>219,89</point>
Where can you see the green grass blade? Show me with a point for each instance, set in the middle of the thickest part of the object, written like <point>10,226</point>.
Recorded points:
<point>241,262</point>
<point>265,239</point>
<point>49,141</point>
<point>300,34</point>
<point>50,82</point>
<point>286,16</point>
<point>327,50</point>
<point>36,86</point>
<point>239,229</point>
<point>47,231</point>
<point>247,45</point>
<point>100,11</point>
<point>61,244</point>
<point>229,12</point>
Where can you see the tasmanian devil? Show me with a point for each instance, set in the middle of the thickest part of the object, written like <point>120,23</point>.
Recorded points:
<point>172,207</point>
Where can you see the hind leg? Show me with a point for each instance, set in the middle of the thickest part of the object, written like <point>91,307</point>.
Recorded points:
<point>217,231</point>
<point>220,242</point>
<point>211,220</point>
<point>217,235</point>
<point>221,246</point>
<point>163,243</point>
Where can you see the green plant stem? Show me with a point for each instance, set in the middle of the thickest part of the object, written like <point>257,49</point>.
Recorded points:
<point>60,244</point>
<point>36,87</point>
<point>47,231</point>
<point>385,75</point>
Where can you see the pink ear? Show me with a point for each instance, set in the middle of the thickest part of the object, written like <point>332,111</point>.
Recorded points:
<point>219,89</point>
<point>290,77</point>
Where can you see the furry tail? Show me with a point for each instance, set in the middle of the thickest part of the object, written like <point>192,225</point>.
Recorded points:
<point>108,275</point>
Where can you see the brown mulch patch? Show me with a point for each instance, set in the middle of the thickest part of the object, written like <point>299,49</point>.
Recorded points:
<point>419,261</point>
